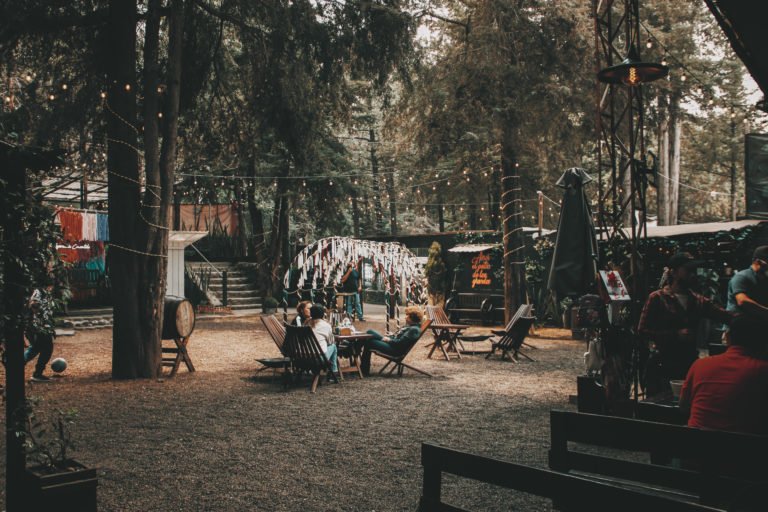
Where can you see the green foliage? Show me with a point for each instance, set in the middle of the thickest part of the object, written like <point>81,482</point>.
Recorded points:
<point>47,440</point>
<point>435,270</point>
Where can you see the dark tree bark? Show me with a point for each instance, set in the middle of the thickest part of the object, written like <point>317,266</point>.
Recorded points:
<point>271,269</point>
<point>512,242</point>
<point>378,213</point>
<point>257,217</point>
<point>139,223</point>
<point>392,204</point>
<point>355,214</point>
<point>128,358</point>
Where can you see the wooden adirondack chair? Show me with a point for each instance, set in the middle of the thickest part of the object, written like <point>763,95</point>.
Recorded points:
<point>276,331</point>
<point>397,361</point>
<point>303,349</point>
<point>512,340</point>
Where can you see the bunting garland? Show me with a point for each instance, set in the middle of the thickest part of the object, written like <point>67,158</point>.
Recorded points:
<point>326,261</point>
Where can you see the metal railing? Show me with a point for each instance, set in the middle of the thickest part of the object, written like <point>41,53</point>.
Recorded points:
<point>222,273</point>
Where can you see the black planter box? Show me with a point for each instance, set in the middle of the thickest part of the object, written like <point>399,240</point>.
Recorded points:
<point>71,488</point>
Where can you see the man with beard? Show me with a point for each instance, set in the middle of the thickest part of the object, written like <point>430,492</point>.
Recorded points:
<point>670,319</point>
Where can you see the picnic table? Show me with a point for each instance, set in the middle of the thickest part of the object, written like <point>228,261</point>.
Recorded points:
<point>351,347</point>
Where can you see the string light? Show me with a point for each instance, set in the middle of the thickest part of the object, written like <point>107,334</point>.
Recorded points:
<point>64,87</point>
<point>128,87</point>
<point>103,95</point>
<point>51,97</point>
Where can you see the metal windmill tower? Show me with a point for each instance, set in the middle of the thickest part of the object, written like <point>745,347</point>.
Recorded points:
<point>622,173</point>
<point>622,169</point>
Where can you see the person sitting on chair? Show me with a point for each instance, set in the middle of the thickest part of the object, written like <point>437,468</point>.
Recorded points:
<point>730,391</point>
<point>397,343</point>
<point>302,313</point>
<point>324,334</point>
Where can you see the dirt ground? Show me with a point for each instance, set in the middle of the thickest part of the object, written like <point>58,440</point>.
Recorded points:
<point>220,439</point>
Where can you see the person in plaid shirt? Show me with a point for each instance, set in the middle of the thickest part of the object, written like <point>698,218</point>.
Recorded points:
<point>40,331</point>
<point>670,319</point>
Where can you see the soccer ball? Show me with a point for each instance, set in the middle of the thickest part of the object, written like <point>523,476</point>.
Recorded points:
<point>59,365</point>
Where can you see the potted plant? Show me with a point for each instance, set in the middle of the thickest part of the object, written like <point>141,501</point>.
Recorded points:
<point>270,305</point>
<point>53,480</point>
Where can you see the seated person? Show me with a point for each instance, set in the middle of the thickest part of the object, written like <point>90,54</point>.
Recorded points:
<point>730,391</point>
<point>302,312</point>
<point>324,334</point>
<point>398,343</point>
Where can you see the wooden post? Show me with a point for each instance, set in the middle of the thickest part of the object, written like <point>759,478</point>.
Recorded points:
<point>733,168</point>
<point>14,298</point>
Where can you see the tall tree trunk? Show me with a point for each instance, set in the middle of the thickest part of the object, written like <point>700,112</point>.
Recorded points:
<point>674,172</point>
<point>663,181</point>
<point>355,214</point>
<point>390,183</point>
<point>139,225</point>
<point>271,268</point>
<point>379,215</point>
<point>512,241</point>
<point>734,207</point>
<point>256,215</point>
<point>125,259</point>
<point>440,213</point>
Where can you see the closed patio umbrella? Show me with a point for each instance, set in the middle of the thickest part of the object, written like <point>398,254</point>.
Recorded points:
<point>573,269</point>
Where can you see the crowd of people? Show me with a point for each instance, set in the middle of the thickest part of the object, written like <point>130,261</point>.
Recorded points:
<point>728,391</point>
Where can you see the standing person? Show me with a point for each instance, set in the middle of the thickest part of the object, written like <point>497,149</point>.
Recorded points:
<point>670,319</point>
<point>324,334</point>
<point>353,284</point>
<point>40,331</point>
<point>748,288</point>
<point>302,312</point>
<point>398,343</point>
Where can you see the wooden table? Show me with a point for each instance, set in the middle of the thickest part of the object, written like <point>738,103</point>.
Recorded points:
<point>446,339</point>
<point>353,345</point>
<point>661,408</point>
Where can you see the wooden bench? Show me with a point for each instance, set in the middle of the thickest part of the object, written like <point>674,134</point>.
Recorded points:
<point>485,307</point>
<point>718,466</point>
<point>570,493</point>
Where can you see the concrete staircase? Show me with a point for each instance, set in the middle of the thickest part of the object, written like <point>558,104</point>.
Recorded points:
<point>242,292</point>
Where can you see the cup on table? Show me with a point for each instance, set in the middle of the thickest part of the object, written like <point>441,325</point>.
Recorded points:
<point>677,386</point>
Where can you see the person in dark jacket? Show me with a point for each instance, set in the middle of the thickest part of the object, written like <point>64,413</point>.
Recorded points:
<point>398,343</point>
<point>670,319</point>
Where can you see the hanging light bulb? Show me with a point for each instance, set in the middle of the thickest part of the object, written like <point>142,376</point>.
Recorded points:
<point>64,87</point>
<point>649,43</point>
<point>103,94</point>
<point>51,97</point>
<point>683,78</point>
<point>127,87</point>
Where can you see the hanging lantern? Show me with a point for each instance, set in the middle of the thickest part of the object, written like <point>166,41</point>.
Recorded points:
<point>632,71</point>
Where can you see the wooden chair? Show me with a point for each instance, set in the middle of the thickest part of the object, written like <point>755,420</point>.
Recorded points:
<point>276,330</point>
<point>567,492</point>
<point>305,354</point>
<point>175,355</point>
<point>397,361</point>
<point>522,311</point>
<point>446,334</point>
<point>511,341</point>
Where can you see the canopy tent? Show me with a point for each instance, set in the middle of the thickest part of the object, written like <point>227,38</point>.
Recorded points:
<point>323,264</point>
<point>574,267</point>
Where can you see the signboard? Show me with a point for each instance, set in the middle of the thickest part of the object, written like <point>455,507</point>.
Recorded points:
<point>614,286</point>
<point>481,268</point>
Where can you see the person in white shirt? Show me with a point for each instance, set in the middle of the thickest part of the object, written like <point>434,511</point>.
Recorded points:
<point>324,334</point>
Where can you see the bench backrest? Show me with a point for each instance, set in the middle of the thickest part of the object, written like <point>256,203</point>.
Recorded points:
<point>523,310</point>
<point>568,492</point>
<point>437,315</point>
<point>726,462</point>
<point>514,337</point>
<point>276,330</point>
<point>303,349</point>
